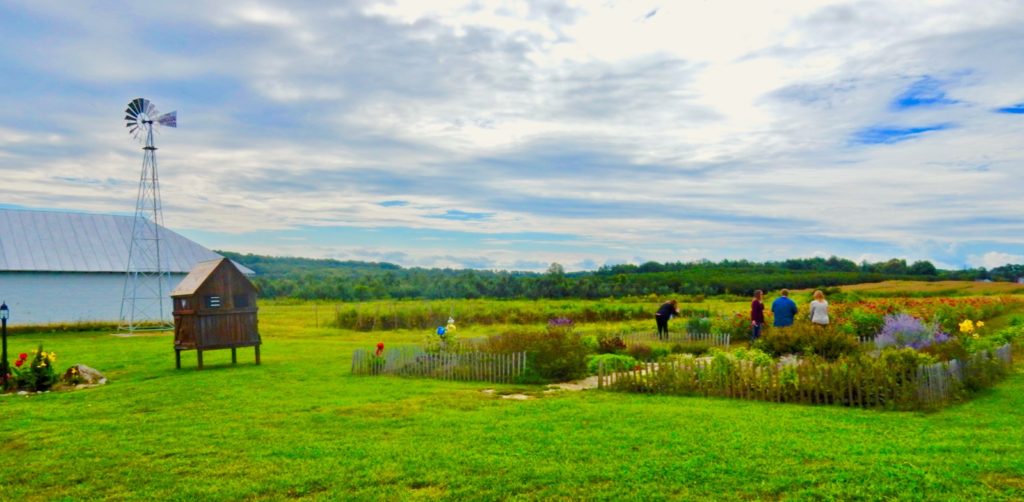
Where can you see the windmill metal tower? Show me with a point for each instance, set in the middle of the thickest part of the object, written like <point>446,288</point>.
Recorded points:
<point>147,281</point>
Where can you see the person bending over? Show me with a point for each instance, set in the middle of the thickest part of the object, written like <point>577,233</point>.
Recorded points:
<point>661,317</point>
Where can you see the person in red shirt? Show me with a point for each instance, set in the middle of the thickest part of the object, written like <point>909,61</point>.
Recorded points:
<point>756,316</point>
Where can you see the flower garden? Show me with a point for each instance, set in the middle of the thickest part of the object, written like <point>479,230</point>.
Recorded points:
<point>302,425</point>
<point>891,354</point>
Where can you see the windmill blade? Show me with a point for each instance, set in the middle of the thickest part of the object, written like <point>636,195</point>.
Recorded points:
<point>135,105</point>
<point>168,119</point>
<point>150,109</point>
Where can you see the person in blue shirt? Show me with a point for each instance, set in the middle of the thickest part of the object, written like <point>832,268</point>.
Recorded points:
<point>784,310</point>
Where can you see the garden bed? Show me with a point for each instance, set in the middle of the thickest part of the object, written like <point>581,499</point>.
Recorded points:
<point>892,380</point>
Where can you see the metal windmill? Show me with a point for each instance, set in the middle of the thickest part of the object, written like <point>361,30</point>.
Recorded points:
<point>147,282</point>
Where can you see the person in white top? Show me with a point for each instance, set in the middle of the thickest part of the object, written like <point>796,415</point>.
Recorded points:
<point>819,309</point>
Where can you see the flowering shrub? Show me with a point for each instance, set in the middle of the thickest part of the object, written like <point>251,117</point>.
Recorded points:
<point>736,325</point>
<point>37,375</point>
<point>904,330</point>
<point>73,377</point>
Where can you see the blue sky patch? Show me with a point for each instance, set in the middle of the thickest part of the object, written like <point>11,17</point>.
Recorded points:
<point>394,203</point>
<point>882,135</point>
<point>927,91</point>
<point>1016,109</point>
<point>455,214</point>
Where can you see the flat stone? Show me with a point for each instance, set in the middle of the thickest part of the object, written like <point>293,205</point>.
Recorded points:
<point>517,397</point>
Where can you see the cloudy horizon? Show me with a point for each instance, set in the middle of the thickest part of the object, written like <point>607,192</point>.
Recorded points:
<point>514,135</point>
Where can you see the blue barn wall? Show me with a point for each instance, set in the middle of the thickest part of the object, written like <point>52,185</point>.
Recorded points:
<point>67,297</point>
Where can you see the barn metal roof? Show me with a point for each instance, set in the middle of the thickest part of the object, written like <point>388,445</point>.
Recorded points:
<point>49,241</point>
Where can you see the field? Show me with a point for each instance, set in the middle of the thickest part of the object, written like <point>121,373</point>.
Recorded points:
<point>936,288</point>
<point>300,426</point>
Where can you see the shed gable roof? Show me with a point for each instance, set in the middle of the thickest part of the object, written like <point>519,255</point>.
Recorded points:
<point>200,273</point>
<point>50,241</point>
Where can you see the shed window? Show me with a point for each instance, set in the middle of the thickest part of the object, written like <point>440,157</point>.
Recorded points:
<point>213,302</point>
<point>182,303</point>
<point>241,301</point>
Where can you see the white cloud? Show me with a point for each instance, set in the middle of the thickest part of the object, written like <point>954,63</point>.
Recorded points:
<point>993,259</point>
<point>725,127</point>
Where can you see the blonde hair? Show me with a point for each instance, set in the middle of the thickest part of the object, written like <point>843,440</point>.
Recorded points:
<point>818,295</point>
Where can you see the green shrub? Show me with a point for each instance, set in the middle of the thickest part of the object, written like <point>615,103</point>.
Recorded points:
<point>947,350</point>
<point>695,348</point>
<point>865,324</point>
<point>698,325</point>
<point>612,362</point>
<point>554,354</point>
<point>608,344</point>
<point>640,352</point>
<point>827,342</point>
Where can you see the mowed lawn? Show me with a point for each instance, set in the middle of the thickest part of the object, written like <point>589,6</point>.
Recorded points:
<point>300,426</point>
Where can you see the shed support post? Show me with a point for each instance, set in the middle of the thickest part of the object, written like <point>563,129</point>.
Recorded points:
<point>177,359</point>
<point>257,354</point>
<point>234,356</point>
<point>199,357</point>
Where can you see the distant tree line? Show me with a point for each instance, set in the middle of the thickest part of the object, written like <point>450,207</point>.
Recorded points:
<point>356,280</point>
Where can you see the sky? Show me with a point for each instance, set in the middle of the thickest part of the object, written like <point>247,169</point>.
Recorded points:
<point>510,135</point>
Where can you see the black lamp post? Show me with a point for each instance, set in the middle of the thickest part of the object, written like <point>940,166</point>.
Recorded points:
<point>5,367</point>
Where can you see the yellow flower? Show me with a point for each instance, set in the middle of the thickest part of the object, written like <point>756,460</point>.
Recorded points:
<point>967,326</point>
<point>976,336</point>
<point>74,370</point>
<point>980,324</point>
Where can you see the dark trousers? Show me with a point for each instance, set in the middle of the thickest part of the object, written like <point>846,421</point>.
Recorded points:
<point>755,332</point>
<point>662,326</point>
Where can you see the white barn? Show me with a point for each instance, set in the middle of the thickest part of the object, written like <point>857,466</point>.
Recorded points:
<point>58,267</point>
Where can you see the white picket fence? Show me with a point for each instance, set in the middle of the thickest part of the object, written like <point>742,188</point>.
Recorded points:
<point>462,366</point>
<point>937,382</point>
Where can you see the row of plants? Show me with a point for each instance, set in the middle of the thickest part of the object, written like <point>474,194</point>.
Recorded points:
<point>374,316</point>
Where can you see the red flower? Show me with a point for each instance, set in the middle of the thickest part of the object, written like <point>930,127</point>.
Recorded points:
<point>380,348</point>
<point>19,362</point>
<point>23,356</point>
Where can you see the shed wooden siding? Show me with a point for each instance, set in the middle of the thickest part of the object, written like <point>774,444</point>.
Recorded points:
<point>200,326</point>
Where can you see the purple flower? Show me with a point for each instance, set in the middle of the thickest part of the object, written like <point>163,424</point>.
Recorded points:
<point>560,322</point>
<point>902,330</point>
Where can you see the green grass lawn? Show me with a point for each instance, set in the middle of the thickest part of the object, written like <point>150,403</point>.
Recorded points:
<point>300,426</point>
